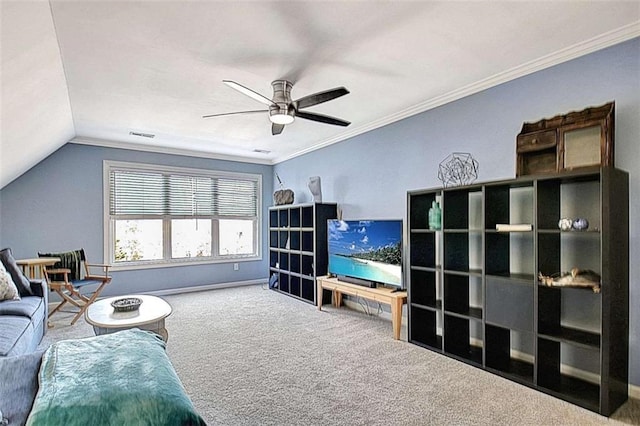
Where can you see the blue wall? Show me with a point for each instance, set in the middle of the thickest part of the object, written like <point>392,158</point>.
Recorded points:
<point>370,174</point>
<point>58,205</point>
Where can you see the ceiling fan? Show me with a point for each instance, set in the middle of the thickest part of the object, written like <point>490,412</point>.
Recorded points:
<point>282,110</point>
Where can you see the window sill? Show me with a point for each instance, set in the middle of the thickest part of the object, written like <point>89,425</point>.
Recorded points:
<point>178,263</point>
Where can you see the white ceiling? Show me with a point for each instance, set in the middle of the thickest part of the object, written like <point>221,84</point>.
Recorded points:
<point>92,71</point>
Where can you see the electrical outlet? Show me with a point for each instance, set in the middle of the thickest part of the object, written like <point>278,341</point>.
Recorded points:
<point>236,266</point>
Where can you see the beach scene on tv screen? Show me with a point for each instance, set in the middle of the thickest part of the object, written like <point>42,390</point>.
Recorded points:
<point>366,249</point>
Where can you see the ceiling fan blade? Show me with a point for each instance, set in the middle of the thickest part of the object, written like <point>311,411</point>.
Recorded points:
<point>322,118</point>
<point>276,129</point>
<point>245,90</point>
<point>320,97</point>
<point>237,112</point>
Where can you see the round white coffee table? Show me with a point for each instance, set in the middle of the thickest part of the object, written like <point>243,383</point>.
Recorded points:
<point>149,316</point>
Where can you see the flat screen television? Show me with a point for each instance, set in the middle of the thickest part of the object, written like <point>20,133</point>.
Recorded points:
<point>366,252</point>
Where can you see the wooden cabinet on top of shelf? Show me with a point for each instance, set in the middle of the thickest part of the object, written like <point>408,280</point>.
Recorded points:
<point>577,140</point>
<point>474,292</point>
<point>298,247</point>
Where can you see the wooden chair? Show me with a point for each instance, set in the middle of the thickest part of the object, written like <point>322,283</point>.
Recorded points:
<point>70,278</point>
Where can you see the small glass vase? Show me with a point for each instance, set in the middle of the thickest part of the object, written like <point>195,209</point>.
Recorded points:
<point>435,216</point>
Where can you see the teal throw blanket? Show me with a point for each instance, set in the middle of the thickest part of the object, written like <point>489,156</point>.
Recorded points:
<point>124,378</point>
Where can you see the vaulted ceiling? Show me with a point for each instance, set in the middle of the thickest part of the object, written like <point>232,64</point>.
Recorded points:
<point>94,72</point>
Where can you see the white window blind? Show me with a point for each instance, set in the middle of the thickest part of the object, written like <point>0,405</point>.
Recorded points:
<point>149,193</point>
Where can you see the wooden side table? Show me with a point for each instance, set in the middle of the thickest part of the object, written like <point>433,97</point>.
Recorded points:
<point>383,295</point>
<point>34,268</point>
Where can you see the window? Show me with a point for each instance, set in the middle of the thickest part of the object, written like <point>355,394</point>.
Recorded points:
<point>160,215</point>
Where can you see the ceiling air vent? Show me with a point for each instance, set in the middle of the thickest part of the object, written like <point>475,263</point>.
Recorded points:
<point>142,135</point>
<point>262,151</point>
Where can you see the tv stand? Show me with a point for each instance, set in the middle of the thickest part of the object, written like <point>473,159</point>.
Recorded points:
<point>392,297</point>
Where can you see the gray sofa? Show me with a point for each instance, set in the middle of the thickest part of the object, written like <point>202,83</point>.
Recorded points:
<point>18,387</point>
<point>23,322</point>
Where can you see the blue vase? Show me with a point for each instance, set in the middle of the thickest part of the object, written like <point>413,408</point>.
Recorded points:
<point>580,224</point>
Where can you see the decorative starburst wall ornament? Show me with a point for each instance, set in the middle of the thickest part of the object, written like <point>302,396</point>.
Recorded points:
<point>459,168</point>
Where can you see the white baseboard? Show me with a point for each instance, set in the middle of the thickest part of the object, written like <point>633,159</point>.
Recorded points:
<point>634,391</point>
<point>207,287</point>
<point>352,303</point>
<point>193,289</point>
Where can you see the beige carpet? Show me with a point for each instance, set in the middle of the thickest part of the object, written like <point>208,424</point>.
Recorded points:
<point>250,356</point>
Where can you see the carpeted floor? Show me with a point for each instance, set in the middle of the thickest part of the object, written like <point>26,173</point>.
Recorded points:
<point>250,356</point>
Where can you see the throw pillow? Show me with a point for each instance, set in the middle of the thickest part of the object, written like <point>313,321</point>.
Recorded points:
<point>21,282</point>
<point>8,290</point>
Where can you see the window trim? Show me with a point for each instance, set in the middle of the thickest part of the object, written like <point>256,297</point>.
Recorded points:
<point>109,225</point>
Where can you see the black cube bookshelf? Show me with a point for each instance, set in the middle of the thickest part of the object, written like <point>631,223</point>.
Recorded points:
<point>475,295</point>
<point>298,247</point>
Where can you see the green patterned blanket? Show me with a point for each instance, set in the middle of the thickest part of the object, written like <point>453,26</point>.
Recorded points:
<point>123,378</point>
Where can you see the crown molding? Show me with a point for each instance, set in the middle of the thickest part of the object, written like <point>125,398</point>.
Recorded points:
<point>600,42</point>
<point>82,140</point>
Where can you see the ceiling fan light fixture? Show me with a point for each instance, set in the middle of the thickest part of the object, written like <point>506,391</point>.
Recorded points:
<point>280,113</point>
<point>280,118</point>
